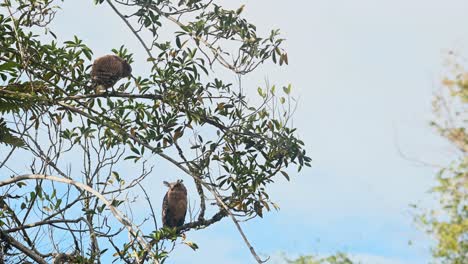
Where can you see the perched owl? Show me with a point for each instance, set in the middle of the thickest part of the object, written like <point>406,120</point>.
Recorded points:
<point>107,70</point>
<point>174,205</point>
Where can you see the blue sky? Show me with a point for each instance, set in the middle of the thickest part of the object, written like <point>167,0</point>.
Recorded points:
<point>364,72</point>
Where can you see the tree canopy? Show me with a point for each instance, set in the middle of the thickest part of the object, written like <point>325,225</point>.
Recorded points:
<point>448,222</point>
<point>179,110</point>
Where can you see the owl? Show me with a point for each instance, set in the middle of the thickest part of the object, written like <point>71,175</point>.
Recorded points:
<point>107,70</point>
<point>174,205</point>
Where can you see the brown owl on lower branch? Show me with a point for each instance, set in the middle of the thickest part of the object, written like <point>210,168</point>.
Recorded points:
<point>107,70</point>
<point>174,205</point>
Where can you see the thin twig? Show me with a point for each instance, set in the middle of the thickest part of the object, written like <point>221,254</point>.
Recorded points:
<point>28,252</point>
<point>187,171</point>
<point>132,29</point>
<point>201,216</point>
<point>40,223</point>
<point>133,230</point>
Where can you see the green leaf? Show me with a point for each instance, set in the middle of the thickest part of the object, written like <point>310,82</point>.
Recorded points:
<point>287,90</point>
<point>285,175</point>
<point>260,91</point>
<point>8,66</point>
<point>192,245</point>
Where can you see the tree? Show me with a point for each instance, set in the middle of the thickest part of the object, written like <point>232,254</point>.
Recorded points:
<point>338,258</point>
<point>448,223</point>
<point>180,111</point>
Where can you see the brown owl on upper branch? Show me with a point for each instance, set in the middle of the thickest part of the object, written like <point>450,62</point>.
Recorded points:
<point>107,70</point>
<point>174,205</point>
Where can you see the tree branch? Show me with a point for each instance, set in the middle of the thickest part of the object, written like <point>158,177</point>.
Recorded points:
<point>133,230</point>
<point>28,252</point>
<point>187,171</point>
<point>40,223</point>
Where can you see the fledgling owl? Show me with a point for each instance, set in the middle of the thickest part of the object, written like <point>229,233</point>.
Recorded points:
<point>174,205</point>
<point>107,70</point>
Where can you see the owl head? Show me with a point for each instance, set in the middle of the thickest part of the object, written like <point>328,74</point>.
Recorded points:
<point>178,185</point>
<point>126,69</point>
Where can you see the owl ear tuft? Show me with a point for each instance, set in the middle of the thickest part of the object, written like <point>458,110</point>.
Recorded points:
<point>167,184</point>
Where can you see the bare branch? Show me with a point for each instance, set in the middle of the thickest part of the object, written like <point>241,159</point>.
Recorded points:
<point>36,224</point>
<point>134,231</point>
<point>28,252</point>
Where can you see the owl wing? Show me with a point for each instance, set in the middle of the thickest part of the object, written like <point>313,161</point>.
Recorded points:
<point>165,211</point>
<point>107,70</point>
<point>183,211</point>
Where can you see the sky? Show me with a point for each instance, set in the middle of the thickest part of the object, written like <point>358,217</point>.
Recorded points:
<point>364,73</point>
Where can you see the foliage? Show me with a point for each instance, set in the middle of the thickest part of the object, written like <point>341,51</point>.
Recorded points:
<point>6,136</point>
<point>339,258</point>
<point>449,223</point>
<point>180,111</point>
